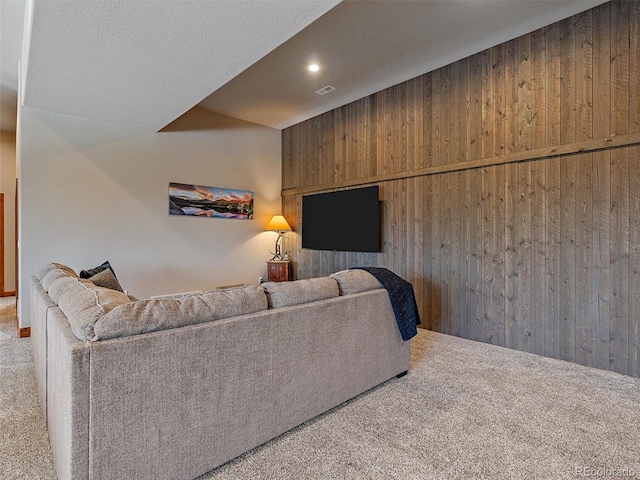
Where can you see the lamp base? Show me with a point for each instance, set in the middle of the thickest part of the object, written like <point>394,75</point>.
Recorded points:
<point>277,255</point>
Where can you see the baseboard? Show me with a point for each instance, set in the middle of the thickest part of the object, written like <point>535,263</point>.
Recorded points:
<point>8,294</point>
<point>24,332</point>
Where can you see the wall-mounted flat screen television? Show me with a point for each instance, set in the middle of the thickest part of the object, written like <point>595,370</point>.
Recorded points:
<point>348,220</point>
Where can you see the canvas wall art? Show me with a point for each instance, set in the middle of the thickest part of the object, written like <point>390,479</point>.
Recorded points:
<point>203,201</point>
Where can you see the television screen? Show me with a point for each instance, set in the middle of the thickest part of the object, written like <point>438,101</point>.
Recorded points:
<point>348,220</point>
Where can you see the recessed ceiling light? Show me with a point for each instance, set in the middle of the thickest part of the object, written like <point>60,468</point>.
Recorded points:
<point>314,67</point>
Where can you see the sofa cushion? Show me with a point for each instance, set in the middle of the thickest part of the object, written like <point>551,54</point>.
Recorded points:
<point>68,270</point>
<point>44,270</point>
<point>355,281</point>
<point>285,294</point>
<point>59,286</point>
<point>51,277</point>
<point>53,266</point>
<point>106,279</point>
<point>84,303</point>
<point>146,316</point>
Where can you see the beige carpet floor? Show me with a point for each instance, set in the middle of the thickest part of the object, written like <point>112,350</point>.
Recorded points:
<point>466,410</point>
<point>25,452</point>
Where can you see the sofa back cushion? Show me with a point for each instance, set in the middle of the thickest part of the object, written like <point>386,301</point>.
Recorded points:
<point>59,286</point>
<point>285,294</point>
<point>146,316</point>
<point>54,266</point>
<point>51,277</point>
<point>83,303</point>
<point>355,281</point>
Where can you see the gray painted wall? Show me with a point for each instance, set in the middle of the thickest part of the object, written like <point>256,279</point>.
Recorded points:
<point>93,191</point>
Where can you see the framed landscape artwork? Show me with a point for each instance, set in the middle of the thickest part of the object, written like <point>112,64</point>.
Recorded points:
<point>203,201</point>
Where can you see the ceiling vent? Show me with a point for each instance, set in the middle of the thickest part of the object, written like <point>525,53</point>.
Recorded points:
<point>325,90</point>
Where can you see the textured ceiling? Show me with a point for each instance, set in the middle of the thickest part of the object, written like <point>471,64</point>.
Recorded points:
<point>365,46</point>
<point>144,63</point>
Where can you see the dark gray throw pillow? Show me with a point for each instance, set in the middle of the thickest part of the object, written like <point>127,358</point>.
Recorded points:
<point>87,274</point>
<point>106,279</point>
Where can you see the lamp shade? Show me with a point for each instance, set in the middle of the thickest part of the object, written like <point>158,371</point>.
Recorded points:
<point>278,224</point>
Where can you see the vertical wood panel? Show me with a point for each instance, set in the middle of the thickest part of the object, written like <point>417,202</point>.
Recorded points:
<point>488,176</point>
<point>403,221</point>
<point>619,322</point>
<point>498,180</point>
<point>538,187</point>
<point>436,113</point>
<point>445,115</point>
<point>539,255</point>
<point>568,169</point>
<point>455,263</point>
<point>584,208</point>
<point>524,254</point>
<point>445,200</point>
<point>499,257</point>
<point>350,139</point>
<point>552,195</point>
<point>339,160</point>
<point>538,275</point>
<point>436,198</point>
<point>488,133</point>
<point>601,180</point>
<point>488,182</point>
<point>634,191</point>
<point>456,149</point>
<point>465,255</point>
<point>427,204</point>
<point>515,71</point>
<point>436,226</point>
<point>475,199</point>
<point>418,268</point>
<point>464,199</point>
<point>429,213</point>
<point>288,176</point>
<point>512,317</point>
<point>634,261</point>
<point>523,213</point>
<point>427,123</point>
<point>444,241</point>
<point>379,132</point>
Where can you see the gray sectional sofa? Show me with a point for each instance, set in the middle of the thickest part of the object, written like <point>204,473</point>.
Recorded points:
<point>170,389</point>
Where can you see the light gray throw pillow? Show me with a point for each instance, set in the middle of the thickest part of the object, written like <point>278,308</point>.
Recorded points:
<point>83,303</point>
<point>44,270</point>
<point>355,281</point>
<point>51,277</point>
<point>285,294</point>
<point>59,286</point>
<point>53,266</point>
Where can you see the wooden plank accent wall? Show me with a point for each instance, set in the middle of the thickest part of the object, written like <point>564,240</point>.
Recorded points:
<point>510,189</point>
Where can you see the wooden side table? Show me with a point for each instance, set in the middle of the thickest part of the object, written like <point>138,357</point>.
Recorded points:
<point>278,271</point>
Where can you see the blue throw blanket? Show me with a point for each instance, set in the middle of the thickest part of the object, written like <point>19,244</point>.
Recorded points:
<point>402,299</point>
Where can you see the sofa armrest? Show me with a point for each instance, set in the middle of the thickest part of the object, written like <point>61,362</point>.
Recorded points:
<point>40,304</point>
<point>67,397</point>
